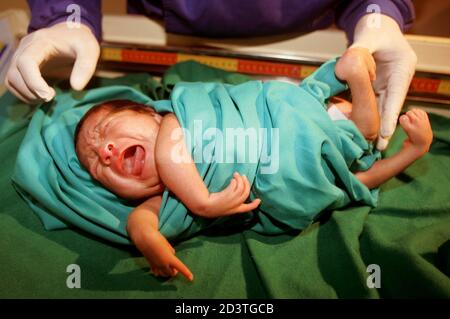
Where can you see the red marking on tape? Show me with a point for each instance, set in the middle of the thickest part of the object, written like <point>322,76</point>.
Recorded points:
<point>268,68</point>
<point>159,58</point>
<point>424,85</point>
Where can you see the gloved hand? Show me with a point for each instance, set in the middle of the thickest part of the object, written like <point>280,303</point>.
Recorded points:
<point>24,77</point>
<point>395,61</point>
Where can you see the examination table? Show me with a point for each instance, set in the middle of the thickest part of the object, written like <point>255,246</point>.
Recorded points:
<point>407,235</point>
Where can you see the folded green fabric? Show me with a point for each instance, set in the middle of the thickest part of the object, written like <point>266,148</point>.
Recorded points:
<point>298,161</point>
<point>302,159</point>
<point>407,235</point>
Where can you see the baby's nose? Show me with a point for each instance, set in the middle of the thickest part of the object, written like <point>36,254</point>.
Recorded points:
<point>106,153</point>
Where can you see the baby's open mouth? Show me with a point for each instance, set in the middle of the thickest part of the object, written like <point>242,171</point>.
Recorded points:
<point>133,160</point>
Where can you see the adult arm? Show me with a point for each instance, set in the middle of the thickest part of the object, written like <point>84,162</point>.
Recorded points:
<point>45,14</point>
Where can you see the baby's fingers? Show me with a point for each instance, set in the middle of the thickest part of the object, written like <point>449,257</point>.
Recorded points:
<point>156,271</point>
<point>231,187</point>
<point>234,189</point>
<point>167,271</point>
<point>244,208</point>
<point>240,184</point>
<point>421,114</point>
<point>177,265</point>
<point>246,190</point>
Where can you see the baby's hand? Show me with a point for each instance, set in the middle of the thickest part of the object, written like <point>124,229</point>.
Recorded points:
<point>355,64</point>
<point>417,126</point>
<point>231,200</point>
<point>161,257</point>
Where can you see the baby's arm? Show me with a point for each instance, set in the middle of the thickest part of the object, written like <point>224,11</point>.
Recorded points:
<point>417,127</point>
<point>142,227</point>
<point>178,172</point>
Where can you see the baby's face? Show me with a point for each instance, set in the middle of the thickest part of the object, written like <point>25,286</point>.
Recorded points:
<point>118,151</point>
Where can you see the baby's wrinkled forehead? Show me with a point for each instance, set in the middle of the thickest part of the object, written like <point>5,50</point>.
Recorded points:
<point>89,135</point>
<point>91,125</point>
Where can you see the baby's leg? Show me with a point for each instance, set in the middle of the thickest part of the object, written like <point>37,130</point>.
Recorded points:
<point>357,67</point>
<point>418,128</point>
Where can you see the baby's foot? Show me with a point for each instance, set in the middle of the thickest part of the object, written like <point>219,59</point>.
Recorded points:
<point>417,126</point>
<point>356,64</point>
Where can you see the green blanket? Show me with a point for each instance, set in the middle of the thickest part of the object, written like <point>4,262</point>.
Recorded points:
<point>407,235</point>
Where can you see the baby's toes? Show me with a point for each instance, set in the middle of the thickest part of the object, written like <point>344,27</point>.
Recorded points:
<point>422,114</point>
<point>418,113</point>
<point>405,122</point>
<point>413,116</point>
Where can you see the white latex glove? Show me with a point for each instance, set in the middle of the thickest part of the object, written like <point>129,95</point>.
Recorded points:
<point>396,62</point>
<point>24,77</point>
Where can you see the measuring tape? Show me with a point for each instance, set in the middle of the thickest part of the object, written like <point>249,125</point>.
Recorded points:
<point>432,86</point>
<point>297,71</point>
<point>228,64</point>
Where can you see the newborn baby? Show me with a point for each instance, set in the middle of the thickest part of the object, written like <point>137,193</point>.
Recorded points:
<point>138,154</point>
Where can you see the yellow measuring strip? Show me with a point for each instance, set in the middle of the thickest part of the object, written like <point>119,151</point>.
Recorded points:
<point>235,65</point>
<point>221,63</point>
<point>444,87</point>
<point>306,70</point>
<point>111,54</point>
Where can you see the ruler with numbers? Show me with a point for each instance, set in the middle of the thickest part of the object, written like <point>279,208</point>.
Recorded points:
<point>425,84</point>
<point>247,66</point>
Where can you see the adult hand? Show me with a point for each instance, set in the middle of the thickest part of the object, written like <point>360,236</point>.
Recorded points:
<point>24,77</point>
<point>395,65</point>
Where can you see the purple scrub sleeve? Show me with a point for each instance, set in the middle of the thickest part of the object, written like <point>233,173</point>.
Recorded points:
<point>50,12</point>
<point>233,18</point>
<point>237,18</point>
<point>349,14</point>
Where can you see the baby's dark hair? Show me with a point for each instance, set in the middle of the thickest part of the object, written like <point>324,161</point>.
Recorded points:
<point>113,106</point>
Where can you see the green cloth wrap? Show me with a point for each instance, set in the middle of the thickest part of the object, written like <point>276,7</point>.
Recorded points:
<point>50,178</point>
<point>316,156</point>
